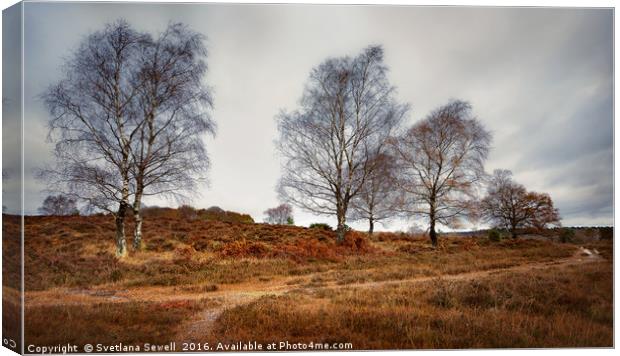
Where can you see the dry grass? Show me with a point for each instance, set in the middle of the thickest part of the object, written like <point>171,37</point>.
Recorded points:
<point>78,252</point>
<point>107,323</point>
<point>549,308</point>
<point>556,307</point>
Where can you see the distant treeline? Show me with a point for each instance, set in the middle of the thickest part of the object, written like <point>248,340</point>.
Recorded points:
<point>213,213</point>
<point>606,232</point>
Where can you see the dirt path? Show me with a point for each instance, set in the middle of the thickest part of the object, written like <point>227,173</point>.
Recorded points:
<point>195,329</point>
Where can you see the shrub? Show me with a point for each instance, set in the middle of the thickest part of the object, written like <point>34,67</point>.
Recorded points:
<point>322,226</point>
<point>567,235</point>
<point>494,235</point>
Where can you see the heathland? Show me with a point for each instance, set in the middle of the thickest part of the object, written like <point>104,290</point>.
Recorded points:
<point>200,279</point>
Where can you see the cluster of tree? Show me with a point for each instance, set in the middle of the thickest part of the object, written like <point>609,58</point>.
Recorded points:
<point>332,144</point>
<point>280,215</point>
<point>188,212</point>
<point>130,113</point>
<point>59,205</point>
<point>345,153</point>
<point>509,205</point>
<point>215,213</point>
<point>128,120</point>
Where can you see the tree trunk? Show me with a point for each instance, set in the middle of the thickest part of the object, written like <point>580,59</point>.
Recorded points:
<point>513,231</point>
<point>432,233</point>
<point>137,233</point>
<point>341,228</point>
<point>121,243</point>
<point>371,226</point>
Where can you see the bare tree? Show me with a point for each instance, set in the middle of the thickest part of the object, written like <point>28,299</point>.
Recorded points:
<point>378,199</point>
<point>509,205</point>
<point>169,154</point>
<point>441,161</point>
<point>59,205</point>
<point>93,122</point>
<point>347,112</point>
<point>281,214</point>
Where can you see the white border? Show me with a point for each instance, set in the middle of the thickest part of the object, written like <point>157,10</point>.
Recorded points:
<point>485,3</point>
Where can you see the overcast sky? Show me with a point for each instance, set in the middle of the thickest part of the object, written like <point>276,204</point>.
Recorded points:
<point>539,79</point>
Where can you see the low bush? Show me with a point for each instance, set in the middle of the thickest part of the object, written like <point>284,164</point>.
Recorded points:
<point>321,226</point>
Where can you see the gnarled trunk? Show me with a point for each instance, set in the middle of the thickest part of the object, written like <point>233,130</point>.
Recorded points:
<point>371,226</point>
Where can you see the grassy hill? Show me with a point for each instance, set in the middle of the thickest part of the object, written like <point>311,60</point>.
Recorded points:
<point>78,251</point>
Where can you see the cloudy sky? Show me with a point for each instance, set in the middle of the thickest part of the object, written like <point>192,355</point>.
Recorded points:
<point>539,78</point>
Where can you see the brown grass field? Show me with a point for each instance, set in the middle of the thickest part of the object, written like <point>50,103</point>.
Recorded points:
<point>207,281</point>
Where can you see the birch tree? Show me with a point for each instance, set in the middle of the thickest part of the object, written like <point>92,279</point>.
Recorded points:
<point>93,122</point>
<point>169,155</point>
<point>509,205</point>
<point>58,205</point>
<point>379,198</point>
<point>441,163</point>
<point>347,112</point>
<point>280,215</point>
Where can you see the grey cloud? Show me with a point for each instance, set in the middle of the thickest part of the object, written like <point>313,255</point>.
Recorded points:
<point>539,78</point>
